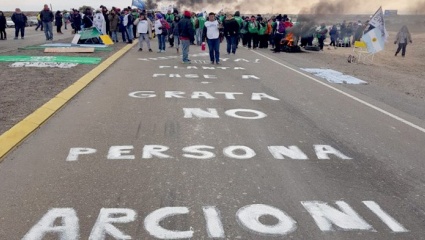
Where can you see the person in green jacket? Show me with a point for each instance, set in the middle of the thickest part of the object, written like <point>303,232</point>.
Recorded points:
<point>135,15</point>
<point>262,37</point>
<point>199,28</point>
<point>253,27</point>
<point>239,20</point>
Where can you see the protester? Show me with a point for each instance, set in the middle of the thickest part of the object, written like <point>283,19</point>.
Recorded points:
<point>262,33</point>
<point>199,26</point>
<point>333,33</point>
<point>123,29</point>
<point>244,32</point>
<point>231,32</point>
<point>253,28</point>
<point>66,19</point>
<point>280,33</point>
<point>135,15</point>
<point>169,17</point>
<point>99,21</point>
<point>88,18</point>
<point>161,31</point>
<point>114,21</point>
<point>39,23</point>
<point>20,21</point>
<point>193,21</point>
<point>58,22</point>
<point>402,38</point>
<point>175,32</point>
<point>239,20</point>
<point>128,24</point>
<point>3,23</point>
<point>212,35</point>
<point>186,32</point>
<point>144,28</point>
<point>321,36</point>
<point>106,17</point>
<point>76,21</point>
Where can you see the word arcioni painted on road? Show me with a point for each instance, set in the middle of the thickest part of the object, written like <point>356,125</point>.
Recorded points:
<point>204,152</point>
<point>327,218</point>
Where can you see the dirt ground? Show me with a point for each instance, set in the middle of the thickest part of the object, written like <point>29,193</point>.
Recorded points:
<point>23,90</point>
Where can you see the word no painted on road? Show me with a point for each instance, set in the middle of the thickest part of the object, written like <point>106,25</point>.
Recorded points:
<point>63,223</point>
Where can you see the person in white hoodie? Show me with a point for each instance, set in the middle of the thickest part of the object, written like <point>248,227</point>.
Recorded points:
<point>99,21</point>
<point>144,28</point>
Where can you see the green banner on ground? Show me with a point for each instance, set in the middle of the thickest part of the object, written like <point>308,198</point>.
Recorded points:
<point>106,49</point>
<point>57,59</point>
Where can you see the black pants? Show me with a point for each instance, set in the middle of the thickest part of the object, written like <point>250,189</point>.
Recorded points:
<point>264,41</point>
<point>134,31</point>
<point>402,47</point>
<point>321,42</point>
<point>19,28</point>
<point>59,28</point>
<point>253,38</point>
<point>244,39</point>
<point>277,38</point>
<point>39,25</point>
<point>3,33</point>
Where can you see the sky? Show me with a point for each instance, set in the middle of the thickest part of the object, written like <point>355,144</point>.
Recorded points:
<point>364,7</point>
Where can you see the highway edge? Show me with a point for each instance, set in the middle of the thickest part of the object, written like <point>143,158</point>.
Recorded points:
<point>10,139</point>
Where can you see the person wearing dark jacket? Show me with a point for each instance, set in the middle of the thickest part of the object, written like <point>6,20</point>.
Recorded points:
<point>76,21</point>
<point>20,21</point>
<point>175,32</point>
<point>3,24</point>
<point>58,22</point>
<point>47,17</point>
<point>88,18</point>
<point>231,32</point>
<point>186,33</point>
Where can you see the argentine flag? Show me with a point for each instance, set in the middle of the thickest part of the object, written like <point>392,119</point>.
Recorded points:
<point>374,40</point>
<point>140,4</point>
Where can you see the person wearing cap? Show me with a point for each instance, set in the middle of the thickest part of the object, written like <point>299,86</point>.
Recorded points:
<point>212,35</point>
<point>160,31</point>
<point>186,32</point>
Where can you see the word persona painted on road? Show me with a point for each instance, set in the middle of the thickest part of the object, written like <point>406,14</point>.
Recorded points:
<point>204,152</point>
<point>63,223</point>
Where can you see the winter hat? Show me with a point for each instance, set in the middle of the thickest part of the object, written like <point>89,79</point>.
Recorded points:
<point>187,13</point>
<point>159,15</point>
<point>237,14</point>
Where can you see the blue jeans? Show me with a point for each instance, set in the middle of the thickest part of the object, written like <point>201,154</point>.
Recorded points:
<point>232,43</point>
<point>214,47</point>
<point>130,33</point>
<point>185,49</point>
<point>48,30</point>
<point>114,36</point>
<point>161,42</point>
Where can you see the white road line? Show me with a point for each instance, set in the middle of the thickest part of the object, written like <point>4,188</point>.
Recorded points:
<point>348,95</point>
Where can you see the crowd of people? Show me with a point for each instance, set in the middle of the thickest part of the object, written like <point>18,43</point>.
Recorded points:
<point>181,30</point>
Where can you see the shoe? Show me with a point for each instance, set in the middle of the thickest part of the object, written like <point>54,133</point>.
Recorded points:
<point>234,52</point>
<point>140,49</point>
<point>178,50</point>
<point>159,51</point>
<point>395,54</point>
<point>218,63</point>
<point>22,38</point>
<point>150,50</point>
<point>163,51</point>
<point>212,62</point>
<point>186,62</point>
<point>15,38</point>
<point>228,53</point>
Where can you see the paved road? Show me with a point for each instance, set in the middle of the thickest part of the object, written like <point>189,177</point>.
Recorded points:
<point>155,149</point>
<point>32,37</point>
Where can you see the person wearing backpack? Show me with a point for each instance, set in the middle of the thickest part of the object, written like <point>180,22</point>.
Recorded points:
<point>161,31</point>
<point>199,26</point>
<point>20,21</point>
<point>169,17</point>
<point>262,33</point>
<point>253,28</point>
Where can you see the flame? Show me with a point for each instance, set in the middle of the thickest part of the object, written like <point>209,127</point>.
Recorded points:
<point>288,40</point>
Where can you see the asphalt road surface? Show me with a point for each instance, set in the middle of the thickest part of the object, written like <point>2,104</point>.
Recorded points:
<point>32,37</point>
<point>249,149</point>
